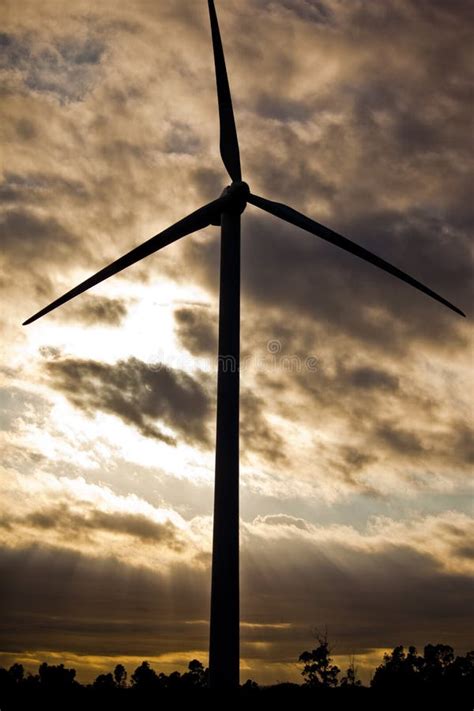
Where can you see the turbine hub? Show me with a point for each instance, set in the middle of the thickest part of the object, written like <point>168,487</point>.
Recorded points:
<point>237,194</point>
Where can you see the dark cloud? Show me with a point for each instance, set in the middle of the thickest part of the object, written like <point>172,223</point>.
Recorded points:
<point>50,352</point>
<point>258,436</point>
<point>99,605</point>
<point>317,11</point>
<point>420,431</point>
<point>313,284</point>
<point>461,441</point>
<point>63,68</point>
<point>13,52</point>
<point>209,182</point>
<point>65,520</point>
<point>29,238</point>
<point>26,129</point>
<point>285,520</point>
<point>382,415</point>
<point>94,310</point>
<point>371,142</point>
<point>403,441</point>
<point>121,151</point>
<point>346,390</point>
<point>181,139</point>
<point>394,594</point>
<point>58,600</point>
<point>34,188</point>
<point>349,464</point>
<point>369,377</point>
<point>137,393</point>
<point>77,51</point>
<point>197,330</point>
<point>465,552</point>
<point>281,109</point>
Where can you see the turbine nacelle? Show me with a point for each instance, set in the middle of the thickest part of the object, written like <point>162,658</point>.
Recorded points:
<point>234,199</point>
<point>236,195</point>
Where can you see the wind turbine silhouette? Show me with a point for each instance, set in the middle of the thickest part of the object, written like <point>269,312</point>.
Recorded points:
<point>225,211</point>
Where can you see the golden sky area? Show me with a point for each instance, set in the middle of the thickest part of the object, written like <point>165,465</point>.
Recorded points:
<point>356,390</point>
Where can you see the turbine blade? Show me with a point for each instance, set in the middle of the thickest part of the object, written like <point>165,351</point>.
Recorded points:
<point>296,218</point>
<point>229,144</point>
<point>193,222</point>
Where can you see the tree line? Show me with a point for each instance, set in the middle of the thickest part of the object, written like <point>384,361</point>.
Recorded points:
<point>437,675</point>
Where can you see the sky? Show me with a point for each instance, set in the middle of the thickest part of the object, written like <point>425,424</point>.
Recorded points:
<point>356,390</point>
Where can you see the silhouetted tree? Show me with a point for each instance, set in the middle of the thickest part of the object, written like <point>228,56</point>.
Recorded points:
<point>173,681</point>
<point>318,668</point>
<point>196,676</point>
<point>105,682</point>
<point>17,673</point>
<point>56,677</point>
<point>250,688</point>
<point>399,669</point>
<point>351,676</point>
<point>428,681</point>
<point>438,670</point>
<point>462,670</point>
<point>120,675</point>
<point>145,678</point>
<point>437,660</point>
<point>9,680</point>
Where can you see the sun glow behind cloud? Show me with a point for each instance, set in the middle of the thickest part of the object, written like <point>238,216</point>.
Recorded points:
<point>147,331</point>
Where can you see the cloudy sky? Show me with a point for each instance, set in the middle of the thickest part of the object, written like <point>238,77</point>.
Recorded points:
<point>356,453</point>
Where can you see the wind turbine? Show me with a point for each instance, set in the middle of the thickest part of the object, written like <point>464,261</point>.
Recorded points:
<point>225,211</point>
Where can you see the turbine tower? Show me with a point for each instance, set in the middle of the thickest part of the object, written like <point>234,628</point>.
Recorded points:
<point>226,211</point>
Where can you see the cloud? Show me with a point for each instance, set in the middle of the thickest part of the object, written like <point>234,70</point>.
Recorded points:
<point>258,435</point>
<point>196,329</point>
<point>93,310</point>
<point>32,189</point>
<point>16,403</point>
<point>93,519</point>
<point>62,67</point>
<point>282,520</point>
<point>295,576</point>
<point>342,579</point>
<point>369,377</point>
<point>137,394</point>
<point>400,440</point>
<point>120,607</point>
<point>29,238</point>
<point>66,521</point>
<point>296,272</point>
